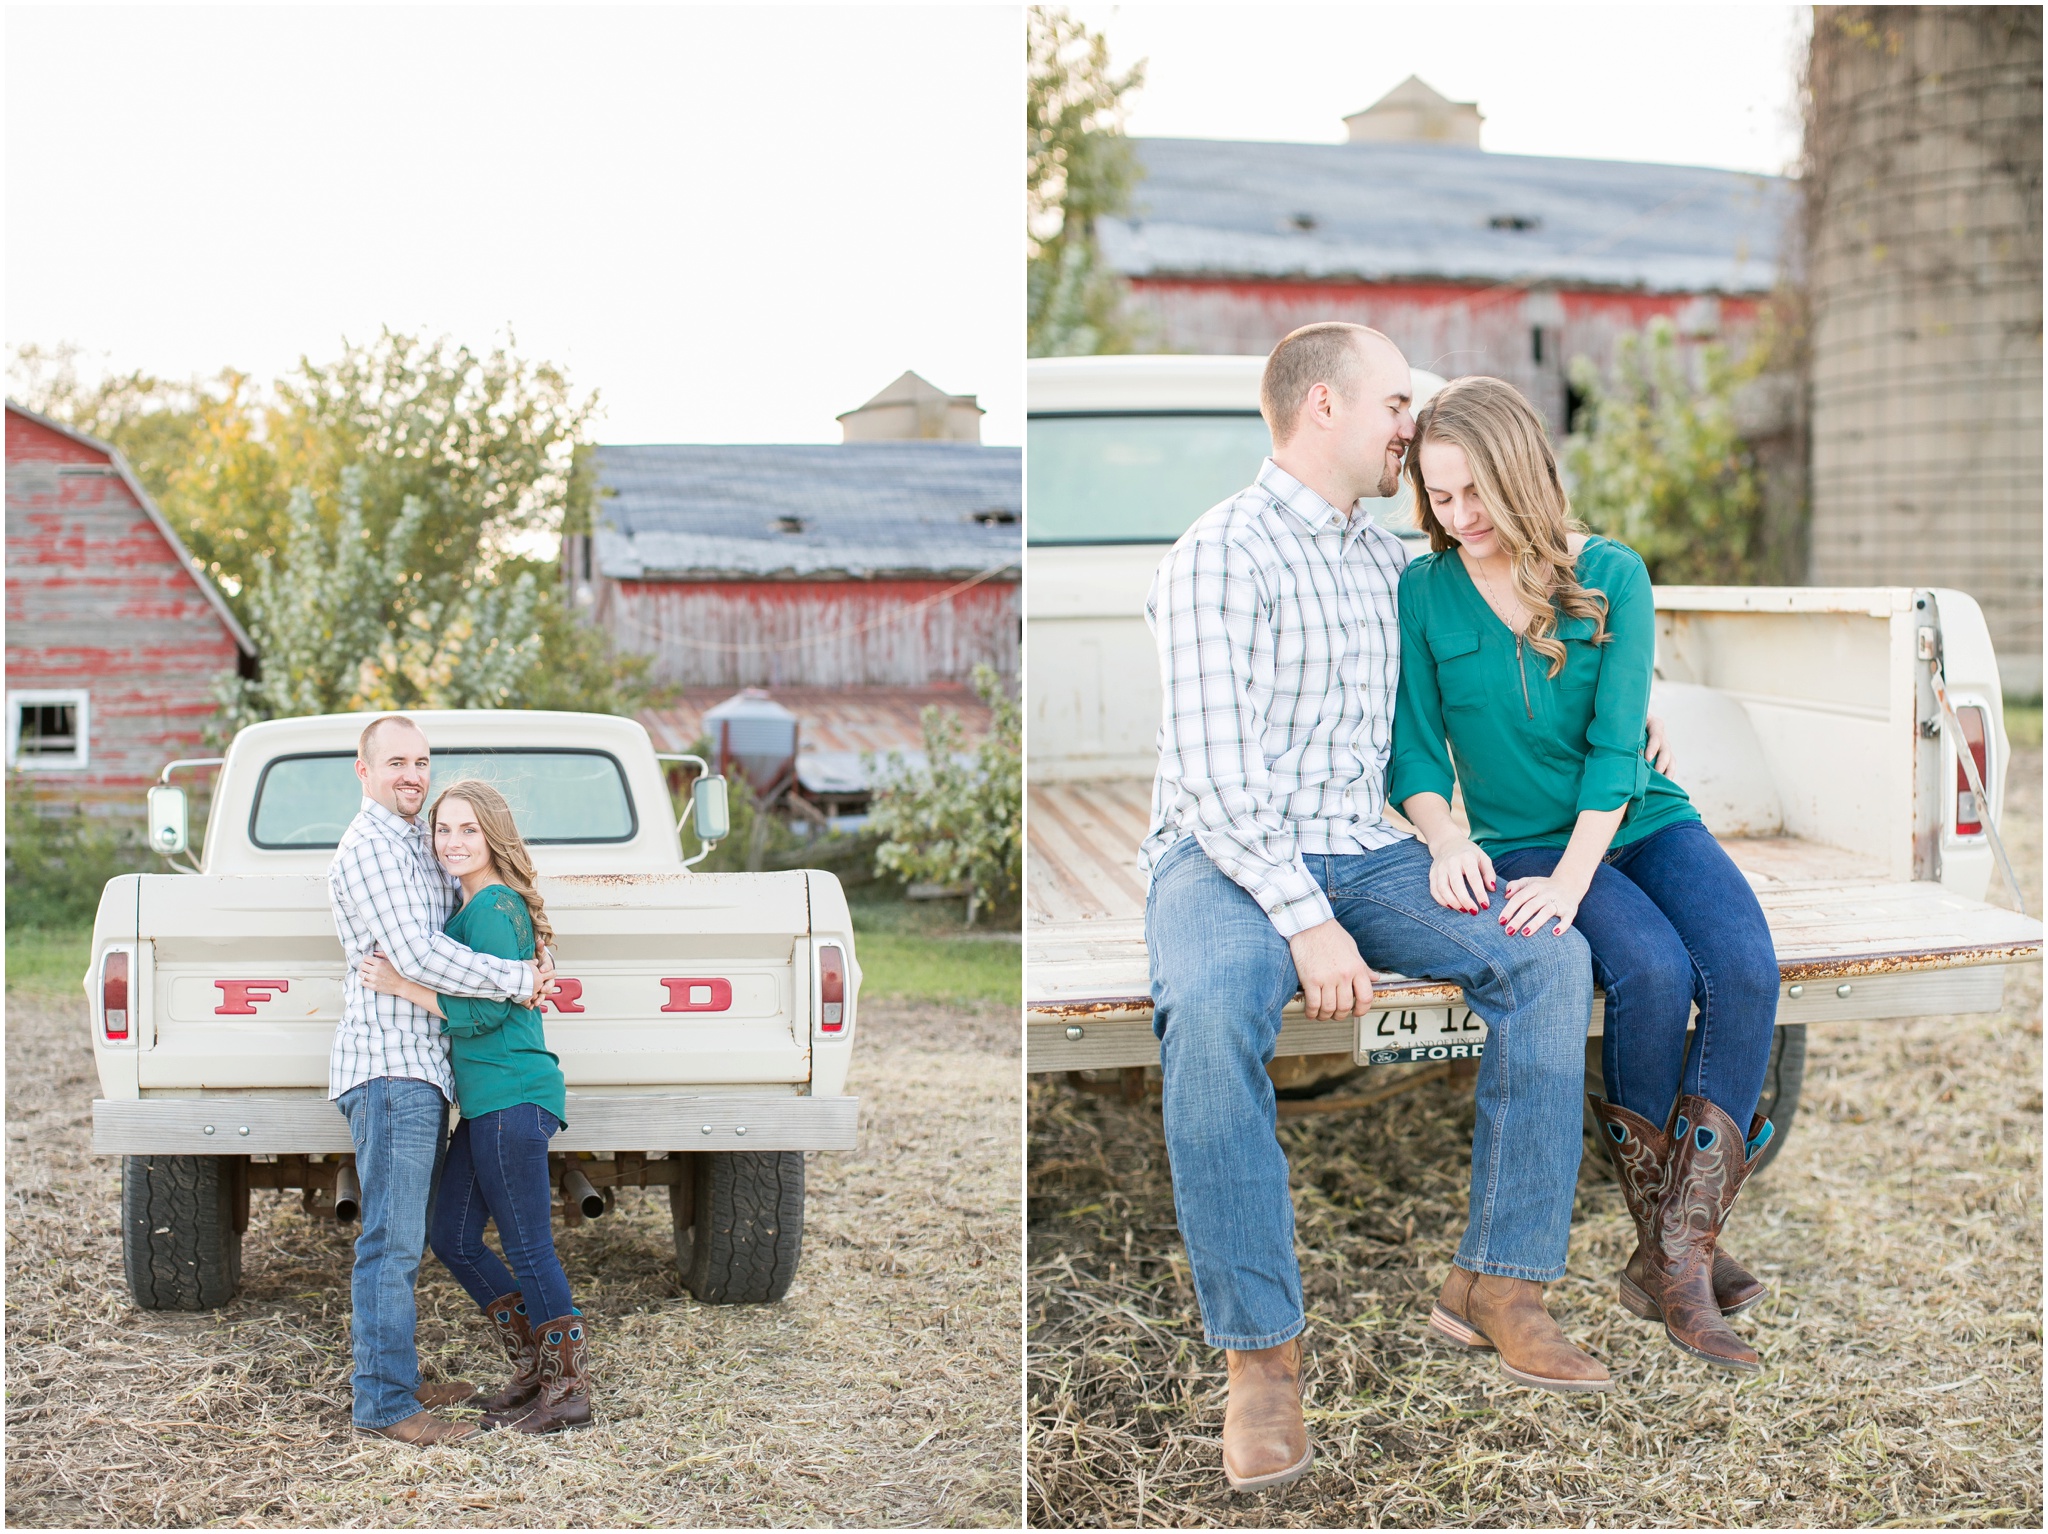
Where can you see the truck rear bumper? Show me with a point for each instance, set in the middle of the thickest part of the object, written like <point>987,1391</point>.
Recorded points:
<point>262,1126</point>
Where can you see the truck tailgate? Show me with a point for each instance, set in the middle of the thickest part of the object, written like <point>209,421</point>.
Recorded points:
<point>1851,943</point>
<point>667,980</point>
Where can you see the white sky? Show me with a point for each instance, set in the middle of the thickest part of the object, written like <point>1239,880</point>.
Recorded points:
<point>734,223</point>
<point>1680,84</point>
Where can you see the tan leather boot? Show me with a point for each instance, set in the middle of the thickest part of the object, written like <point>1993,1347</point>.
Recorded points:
<point>446,1393</point>
<point>1707,1170</point>
<point>423,1430</point>
<point>1265,1440</point>
<point>1640,1153</point>
<point>1506,1315</point>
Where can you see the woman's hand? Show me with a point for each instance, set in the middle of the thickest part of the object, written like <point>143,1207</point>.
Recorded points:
<point>378,975</point>
<point>1460,874</point>
<point>1657,745</point>
<point>1532,902</point>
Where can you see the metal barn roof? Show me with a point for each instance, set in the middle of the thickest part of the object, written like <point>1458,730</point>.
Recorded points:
<point>852,509</point>
<point>1388,211</point>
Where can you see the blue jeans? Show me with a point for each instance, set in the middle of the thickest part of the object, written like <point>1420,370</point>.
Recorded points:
<point>1221,974</point>
<point>400,1128</point>
<point>1671,921</point>
<point>498,1171</point>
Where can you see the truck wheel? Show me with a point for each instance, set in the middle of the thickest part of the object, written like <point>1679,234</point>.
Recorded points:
<point>739,1219</point>
<point>180,1238</point>
<point>1783,1078</point>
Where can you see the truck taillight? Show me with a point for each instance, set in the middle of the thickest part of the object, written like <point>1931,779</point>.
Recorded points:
<point>1969,812</point>
<point>114,996</point>
<point>831,989</point>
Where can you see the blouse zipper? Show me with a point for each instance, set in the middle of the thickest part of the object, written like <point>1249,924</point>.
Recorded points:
<point>1522,672</point>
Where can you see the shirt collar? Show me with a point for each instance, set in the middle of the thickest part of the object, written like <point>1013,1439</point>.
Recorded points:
<point>1296,497</point>
<point>389,820</point>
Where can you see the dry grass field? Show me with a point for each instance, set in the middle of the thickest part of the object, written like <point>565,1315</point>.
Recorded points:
<point>1900,1231</point>
<point>882,1391</point>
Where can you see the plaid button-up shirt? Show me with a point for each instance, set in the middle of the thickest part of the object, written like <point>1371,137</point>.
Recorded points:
<point>388,892</point>
<point>1280,650</point>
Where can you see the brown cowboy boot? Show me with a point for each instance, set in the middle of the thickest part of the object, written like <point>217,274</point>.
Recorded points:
<point>1506,1315</point>
<point>1265,1440</point>
<point>507,1315</point>
<point>423,1430</point>
<point>1640,1153</point>
<point>446,1393</point>
<point>1707,1170</point>
<point>564,1399</point>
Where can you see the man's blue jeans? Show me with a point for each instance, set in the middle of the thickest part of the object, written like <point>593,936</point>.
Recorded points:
<point>497,1172</point>
<point>1221,974</point>
<point>400,1129</point>
<point>1671,921</point>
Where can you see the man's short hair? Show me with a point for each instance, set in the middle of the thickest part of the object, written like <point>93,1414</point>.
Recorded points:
<point>369,736</point>
<point>1328,352</point>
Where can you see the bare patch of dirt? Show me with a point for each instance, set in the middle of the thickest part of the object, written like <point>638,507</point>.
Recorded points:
<point>1899,1229</point>
<point>882,1392</point>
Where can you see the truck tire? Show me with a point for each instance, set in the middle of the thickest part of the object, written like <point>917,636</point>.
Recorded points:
<point>1783,1078</point>
<point>179,1236</point>
<point>739,1220</point>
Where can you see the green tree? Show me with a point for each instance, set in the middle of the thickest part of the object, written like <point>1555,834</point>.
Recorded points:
<point>1079,167</point>
<point>958,823</point>
<point>1661,464</point>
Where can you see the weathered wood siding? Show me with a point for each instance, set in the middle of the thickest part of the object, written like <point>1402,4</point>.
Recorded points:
<point>850,633</point>
<point>97,599</point>
<point>1448,328</point>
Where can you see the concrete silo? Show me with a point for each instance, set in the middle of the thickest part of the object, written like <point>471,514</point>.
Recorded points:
<point>1923,250</point>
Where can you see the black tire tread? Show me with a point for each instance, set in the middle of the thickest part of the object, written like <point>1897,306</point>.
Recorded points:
<point>178,1238</point>
<point>748,1234</point>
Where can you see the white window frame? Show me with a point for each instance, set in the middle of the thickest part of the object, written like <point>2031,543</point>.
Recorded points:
<point>79,759</point>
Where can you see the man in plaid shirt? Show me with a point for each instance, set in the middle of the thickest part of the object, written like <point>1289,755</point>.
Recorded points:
<point>389,1071</point>
<point>1271,868</point>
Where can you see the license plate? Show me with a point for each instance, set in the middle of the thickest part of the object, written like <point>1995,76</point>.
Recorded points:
<point>1431,1033</point>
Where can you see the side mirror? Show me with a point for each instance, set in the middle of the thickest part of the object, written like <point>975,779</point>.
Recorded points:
<point>710,816</point>
<point>167,833</point>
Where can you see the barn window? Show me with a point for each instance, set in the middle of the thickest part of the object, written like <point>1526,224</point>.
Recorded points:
<point>47,731</point>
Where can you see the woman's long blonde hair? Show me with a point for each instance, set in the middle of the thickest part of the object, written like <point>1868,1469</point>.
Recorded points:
<point>514,864</point>
<point>1515,473</point>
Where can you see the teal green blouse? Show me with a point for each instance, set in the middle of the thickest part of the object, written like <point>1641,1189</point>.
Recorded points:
<point>500,1055</point>
<point>1529,751</point>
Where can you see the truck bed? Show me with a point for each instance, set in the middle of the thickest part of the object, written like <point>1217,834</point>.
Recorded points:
<point>1851,942</point>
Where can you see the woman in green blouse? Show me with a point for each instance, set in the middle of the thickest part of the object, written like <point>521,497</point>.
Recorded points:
<point>509,1088</point>
<point>1526,658</point>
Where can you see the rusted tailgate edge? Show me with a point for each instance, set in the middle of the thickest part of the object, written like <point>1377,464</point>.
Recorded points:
<point>1411,994</point>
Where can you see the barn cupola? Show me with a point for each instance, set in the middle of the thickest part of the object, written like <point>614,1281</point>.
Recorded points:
<point>1415,113</point>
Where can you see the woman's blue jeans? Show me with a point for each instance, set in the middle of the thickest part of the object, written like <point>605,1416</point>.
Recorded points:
<point>1671,921</point>
<point>498,1171</point>
<point>1221,974</point>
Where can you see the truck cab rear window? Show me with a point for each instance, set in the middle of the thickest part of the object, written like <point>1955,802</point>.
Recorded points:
<point>306,802</point>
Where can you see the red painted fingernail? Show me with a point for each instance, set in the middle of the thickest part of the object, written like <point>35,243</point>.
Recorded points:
<point>1527,930</point>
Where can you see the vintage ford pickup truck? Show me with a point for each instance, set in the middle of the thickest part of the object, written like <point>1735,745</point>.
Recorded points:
<point>1836,741</point>
<point>705,1022</point>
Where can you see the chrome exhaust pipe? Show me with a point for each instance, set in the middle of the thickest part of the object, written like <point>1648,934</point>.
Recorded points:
<point>576,1189</point>
<point>348,1193</point>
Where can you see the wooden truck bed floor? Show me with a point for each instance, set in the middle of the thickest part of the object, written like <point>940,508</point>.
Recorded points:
<point>1882,947</point>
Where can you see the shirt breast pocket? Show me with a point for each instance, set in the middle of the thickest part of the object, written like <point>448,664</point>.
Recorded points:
<point>1459,667</point>
<point>1581,655</point>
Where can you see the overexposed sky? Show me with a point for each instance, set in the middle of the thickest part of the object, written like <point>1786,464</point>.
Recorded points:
<point>732,222</point>
<point>1677,84</point>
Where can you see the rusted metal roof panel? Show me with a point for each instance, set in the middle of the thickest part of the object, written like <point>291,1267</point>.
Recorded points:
<point>855,510</point>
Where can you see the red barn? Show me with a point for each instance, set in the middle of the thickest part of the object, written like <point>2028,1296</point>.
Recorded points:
<point>114,636</point>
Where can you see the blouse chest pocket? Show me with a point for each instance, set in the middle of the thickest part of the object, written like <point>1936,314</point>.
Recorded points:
<point>1460,667</point>
<point>1581,655</point>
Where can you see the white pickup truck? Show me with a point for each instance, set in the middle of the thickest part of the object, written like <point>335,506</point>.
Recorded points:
<point>1806,722</point>
<point>705,1022</point>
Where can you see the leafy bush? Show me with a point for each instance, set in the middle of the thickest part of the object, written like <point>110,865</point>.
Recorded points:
<point>57,864</point>
<point>1661,464</point>
<point>954,823</point>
